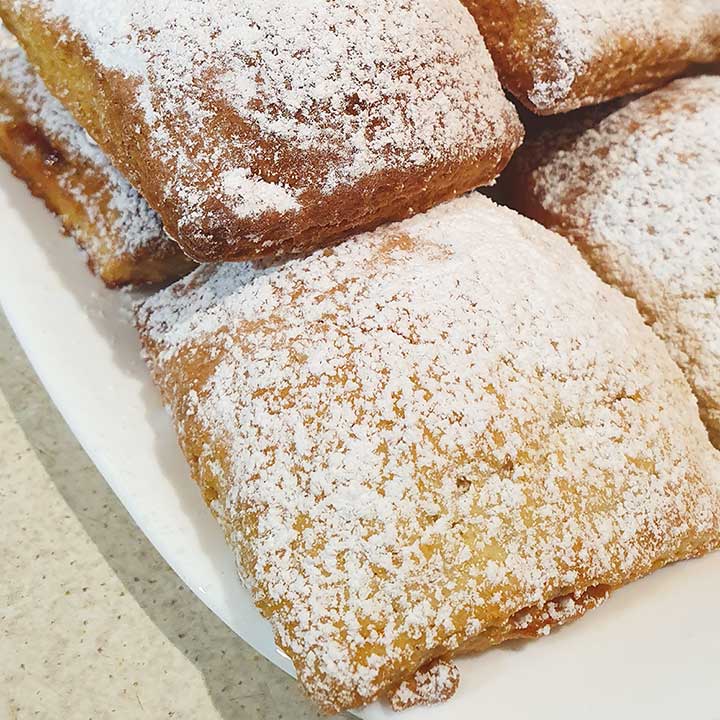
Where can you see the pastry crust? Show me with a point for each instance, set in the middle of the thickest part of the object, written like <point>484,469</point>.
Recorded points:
<point>559,55</point>
<point>430,439</point>
<point>438,681</point>
<point>122,237</point>
<point>256,130</point>
<point>635,187</point>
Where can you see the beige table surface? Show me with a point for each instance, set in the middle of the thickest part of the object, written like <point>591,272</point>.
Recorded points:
<point>93,623</point>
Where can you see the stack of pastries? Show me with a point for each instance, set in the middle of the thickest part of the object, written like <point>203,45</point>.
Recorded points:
<point>426,423</point>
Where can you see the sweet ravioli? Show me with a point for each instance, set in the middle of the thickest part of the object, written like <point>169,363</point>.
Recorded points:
<point>121,236</point>
<point>638,192</point>
<point>430,439</point>
<point>558,55</point>
<point>267,127</point>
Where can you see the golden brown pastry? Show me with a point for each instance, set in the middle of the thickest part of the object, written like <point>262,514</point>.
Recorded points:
<point>637,189</point>
<point>122,237</point>
<point>264,127</point>
<point>429,439</point>
<point>558,55</point>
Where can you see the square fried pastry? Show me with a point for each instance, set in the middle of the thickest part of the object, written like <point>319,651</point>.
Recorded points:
<point>435,437</point>
<point>122,237</point>
<point>269,127</point>
<point>558,55</point>
<point>637,189</point>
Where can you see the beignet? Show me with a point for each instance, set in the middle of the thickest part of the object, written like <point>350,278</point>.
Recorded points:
<point>638,192</point>
<point>121,236</point>
<point>269,127</point>
<point>430,439</point>
<point>558,55</point>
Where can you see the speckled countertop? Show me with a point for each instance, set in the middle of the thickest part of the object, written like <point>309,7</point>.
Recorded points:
<point>93,623</point>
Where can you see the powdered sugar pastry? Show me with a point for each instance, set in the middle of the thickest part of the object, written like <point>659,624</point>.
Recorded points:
<point>369,85</point>
<point>420,433</point>
<point>581,30</point>
<point>133,222</point>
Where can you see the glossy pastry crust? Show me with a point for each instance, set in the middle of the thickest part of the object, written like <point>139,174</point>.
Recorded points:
<point>255,131</point>
<point>122,238</point>
<point>428,440</point>
<point>559,55</point>
<point>634,185</point>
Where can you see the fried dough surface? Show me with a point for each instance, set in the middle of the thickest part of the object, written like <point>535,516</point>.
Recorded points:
<point>428,440</point>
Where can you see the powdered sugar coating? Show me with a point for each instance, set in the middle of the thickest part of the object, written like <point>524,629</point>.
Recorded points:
<point>356,87</point>
<point>131,224</point>
<point>649,218</point>
<point>420,433</point>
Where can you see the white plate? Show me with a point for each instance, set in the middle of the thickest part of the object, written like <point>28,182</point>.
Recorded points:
<point>652,651</point>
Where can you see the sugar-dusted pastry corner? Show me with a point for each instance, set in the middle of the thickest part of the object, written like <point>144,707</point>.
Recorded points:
<point>121,236</point>
<point>637,189</point>
<point>256,131</point>
<point>428,440</point>
<point>559,55</point>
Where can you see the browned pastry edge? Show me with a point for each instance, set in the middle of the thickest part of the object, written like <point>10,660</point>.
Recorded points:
<point>103,103</point>
<point>62,180</point>
<point>528,624</point>
<point>516,36</point>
